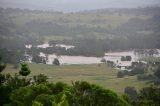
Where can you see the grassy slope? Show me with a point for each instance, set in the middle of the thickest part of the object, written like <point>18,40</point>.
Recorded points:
<point>101,75</point>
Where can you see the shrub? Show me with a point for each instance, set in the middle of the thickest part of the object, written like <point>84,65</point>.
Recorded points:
<point>40,78</point>
<point>24,70</point>
<point>103,60</point>
<point>149,96</point>
<point>131,92</point>
<point>127,58</point>
<point>137,70</point>
<point>120,74</point>
<point>145,77</point>
<point>56,62</point>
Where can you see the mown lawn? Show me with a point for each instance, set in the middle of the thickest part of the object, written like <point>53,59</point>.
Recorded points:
<point>102,75</point>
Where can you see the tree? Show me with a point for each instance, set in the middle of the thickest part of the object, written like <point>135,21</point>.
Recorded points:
<point>63,101</point>
<point>103,60</point>
<point>24,96</point>
<point>93,95</point>
<point>122,58</point>
<point>110,63</point>
<point>38,59</point>
<point>131,92</point>
<point>35,103</point>
<point>137,70</point>
<point>16,81</point>
<point>128,58</point>
<point>56,62</point>
<point>157,72</point>
<point>4,90</point>
<point>2,67</point>
<point>149,96</point>
<point>120,74</point>
<point>45,99</point>
<point>24,70</point>
<point>40,79</point>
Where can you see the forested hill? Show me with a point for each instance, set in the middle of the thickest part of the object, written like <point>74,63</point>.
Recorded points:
<point>103,22</point>
<point>122,28</point>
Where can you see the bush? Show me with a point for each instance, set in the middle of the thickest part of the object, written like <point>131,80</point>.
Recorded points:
<point>40,78</point>
<point>56,62</point>
<point>25,70</point>
<point>145,77</point>
<point>134,64</point>
<point>103,60</point>
<point>120,74</point>
<point>149,96</point>
<point>157,82</point>
<point>110,63</point>
<point>45,99</point>
<point>157,72</point>
<point>137,70</point>
<point>38,59</point>
<point>127,58</point>
<point>131,92</point>
<point>60,94</point>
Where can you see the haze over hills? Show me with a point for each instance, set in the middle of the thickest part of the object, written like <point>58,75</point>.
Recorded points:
<point>79,52</point>
<point>76,5</point>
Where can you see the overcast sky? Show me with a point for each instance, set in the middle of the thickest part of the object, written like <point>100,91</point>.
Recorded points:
<point>77,5</point>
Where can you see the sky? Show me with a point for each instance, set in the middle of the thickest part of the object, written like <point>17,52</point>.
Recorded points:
<point>76,5</point>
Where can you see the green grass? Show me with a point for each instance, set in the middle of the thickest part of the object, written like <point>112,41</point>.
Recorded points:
<point>101,75</point>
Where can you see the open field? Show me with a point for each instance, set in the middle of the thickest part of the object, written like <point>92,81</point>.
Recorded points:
<point>101,75</point>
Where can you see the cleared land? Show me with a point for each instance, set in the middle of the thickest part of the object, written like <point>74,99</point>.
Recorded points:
<point>102,75</point>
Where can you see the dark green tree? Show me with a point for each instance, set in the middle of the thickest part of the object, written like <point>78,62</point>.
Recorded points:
<point>131,92</point>
<point>56,62</point>
<point>40,79</point>
<point>120,74</point>
<point>103,60</point>
<point>157,72</point>
<point>149,96</point>
<point>24,70</point>
<point>2,67</point>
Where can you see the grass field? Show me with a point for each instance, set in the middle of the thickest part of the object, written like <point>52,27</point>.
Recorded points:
<point>101,75</point>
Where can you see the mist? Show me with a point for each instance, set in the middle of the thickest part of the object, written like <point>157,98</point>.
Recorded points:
<point>76,5</point>
<point>80,52</point>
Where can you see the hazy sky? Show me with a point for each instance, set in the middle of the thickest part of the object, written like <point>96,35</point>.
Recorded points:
<point>77,5</point>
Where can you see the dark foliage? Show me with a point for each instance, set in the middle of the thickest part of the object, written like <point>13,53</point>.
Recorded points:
<point>56,62</point>
<point>24,70</point>
<point>131,92</point>
<point>40,79</point>
<point>120,74</point>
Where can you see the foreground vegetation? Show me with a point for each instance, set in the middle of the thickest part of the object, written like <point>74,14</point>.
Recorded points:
<point>102,75</point>
<point>92,33</point>
<point>20,90</point>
